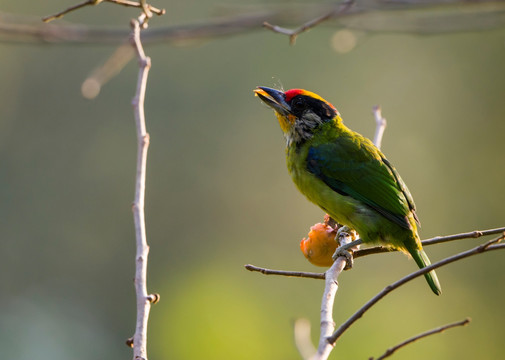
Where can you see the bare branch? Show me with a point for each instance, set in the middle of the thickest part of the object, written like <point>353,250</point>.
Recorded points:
<point>380,126</point>
<point>70,9</point>
<point>293,34</point>
<point>440,329</point>
<point>144,300</point>
<point>302,274</point>
<point>330,289</point>
<point>488,246</point>
<point>472,234</point>
<point>146,8</point>
<point>436,240</point>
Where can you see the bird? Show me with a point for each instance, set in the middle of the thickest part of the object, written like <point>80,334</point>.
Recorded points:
<point>346,175</point>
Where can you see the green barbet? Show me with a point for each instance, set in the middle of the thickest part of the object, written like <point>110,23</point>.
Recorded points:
<point>345,174</point>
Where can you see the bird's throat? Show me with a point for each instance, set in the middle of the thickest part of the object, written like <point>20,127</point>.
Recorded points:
<point>285,122</point>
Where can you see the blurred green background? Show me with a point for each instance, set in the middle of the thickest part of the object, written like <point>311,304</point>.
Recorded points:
<point>219,196</point>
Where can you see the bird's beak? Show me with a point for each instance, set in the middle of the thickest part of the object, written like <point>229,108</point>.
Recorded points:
<point>273,98</point>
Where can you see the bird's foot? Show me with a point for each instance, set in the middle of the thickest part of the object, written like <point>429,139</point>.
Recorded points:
<point>345,238</point>
<point>342,251</point>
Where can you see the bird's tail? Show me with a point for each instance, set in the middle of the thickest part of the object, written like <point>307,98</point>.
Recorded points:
<point>422,261</point>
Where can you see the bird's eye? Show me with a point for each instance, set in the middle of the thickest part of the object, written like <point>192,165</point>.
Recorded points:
<point>297,104</point>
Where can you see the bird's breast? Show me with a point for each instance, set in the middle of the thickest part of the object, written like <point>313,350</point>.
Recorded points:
<point>341,208</point>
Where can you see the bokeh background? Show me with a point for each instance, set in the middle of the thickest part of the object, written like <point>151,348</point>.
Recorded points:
<point>219,196</point>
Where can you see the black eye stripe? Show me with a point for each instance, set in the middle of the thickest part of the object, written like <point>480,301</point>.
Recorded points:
<point>301,103</point>
<point>298,104</point>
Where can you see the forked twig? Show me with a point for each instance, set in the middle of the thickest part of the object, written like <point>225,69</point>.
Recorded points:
<point>302,274</point>
<point>293,34</point>
<point>148,9</point>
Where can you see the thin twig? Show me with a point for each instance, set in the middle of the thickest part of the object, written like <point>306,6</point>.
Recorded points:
<point>143,299</point>
<point>488,246</point>
<point>293,34</point>
<point>432,241</point>
<point>70,9</point>
<point>146,8</point>
<point>440,329</point>
<point>301,274</point>
<point>468,235</point>
<point>380,126</point>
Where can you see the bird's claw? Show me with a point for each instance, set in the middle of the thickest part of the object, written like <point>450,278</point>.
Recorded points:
<point>341,251</point>
<point>347,240</point>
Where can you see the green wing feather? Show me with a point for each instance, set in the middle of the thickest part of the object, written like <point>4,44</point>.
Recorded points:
<point>351,165</point>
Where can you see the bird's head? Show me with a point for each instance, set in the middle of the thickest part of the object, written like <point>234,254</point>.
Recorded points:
<point>300,112</point>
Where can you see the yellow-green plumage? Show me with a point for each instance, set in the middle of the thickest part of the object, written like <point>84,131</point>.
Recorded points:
<point>346,175</point>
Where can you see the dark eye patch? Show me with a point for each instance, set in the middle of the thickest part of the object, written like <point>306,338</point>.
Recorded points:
<point>300,103</point>
<point>297,104</point>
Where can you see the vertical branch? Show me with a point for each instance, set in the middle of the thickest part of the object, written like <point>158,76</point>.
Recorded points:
<point>330,289</point>
<point>143,299</point>
<point>380,123</point>
<point>327,324</point>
